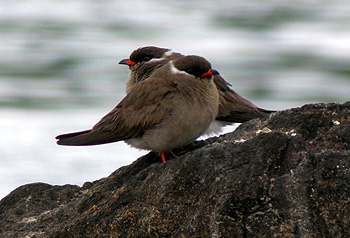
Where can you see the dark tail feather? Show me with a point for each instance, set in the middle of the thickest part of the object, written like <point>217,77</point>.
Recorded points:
<point>264,111</point>
<point>71,138</point>
<point>240,117</point>
<point>235,108</point>
<point>69,135</point>
<point>87,137</point>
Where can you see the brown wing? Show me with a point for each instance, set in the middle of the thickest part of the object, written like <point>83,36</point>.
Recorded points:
<point>143,108</point>
<point>233,107</point>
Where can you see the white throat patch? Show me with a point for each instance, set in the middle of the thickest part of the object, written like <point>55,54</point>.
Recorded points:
<point>168,53</point>
<point>156,59</point>
<point>165,55</point>
<point>174,70</point>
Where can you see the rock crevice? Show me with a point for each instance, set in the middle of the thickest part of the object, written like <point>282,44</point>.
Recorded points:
<point>287,175</point>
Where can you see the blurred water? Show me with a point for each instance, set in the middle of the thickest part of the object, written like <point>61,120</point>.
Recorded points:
<point>59,71</point>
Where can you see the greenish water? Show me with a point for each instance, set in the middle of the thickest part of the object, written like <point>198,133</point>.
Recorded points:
<point>59,68</point>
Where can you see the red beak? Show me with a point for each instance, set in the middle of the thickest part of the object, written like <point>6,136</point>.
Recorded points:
<point>209,73</point>
<point>127,62</point>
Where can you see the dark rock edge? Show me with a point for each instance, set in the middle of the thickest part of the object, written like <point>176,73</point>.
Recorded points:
<point>287,175</point>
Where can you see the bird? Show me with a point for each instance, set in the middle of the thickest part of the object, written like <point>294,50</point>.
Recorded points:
<point>171,109</point>
<point>233,108</point>
<point>144,61</point>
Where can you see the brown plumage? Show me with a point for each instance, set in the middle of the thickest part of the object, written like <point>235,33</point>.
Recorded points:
<point>232,107</point>
<point>144,61</point>
<point>170,109</point>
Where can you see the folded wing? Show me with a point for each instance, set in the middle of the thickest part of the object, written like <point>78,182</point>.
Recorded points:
<point>233,107</point>
<point>139,111</point>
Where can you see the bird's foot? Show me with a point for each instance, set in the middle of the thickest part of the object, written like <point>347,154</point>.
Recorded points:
<point>170,154</point>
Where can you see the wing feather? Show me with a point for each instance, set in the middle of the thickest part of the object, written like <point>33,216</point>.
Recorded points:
<point>145,107</point>
<point>233,107</point>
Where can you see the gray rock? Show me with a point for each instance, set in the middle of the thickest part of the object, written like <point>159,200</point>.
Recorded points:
<point>287,175</point>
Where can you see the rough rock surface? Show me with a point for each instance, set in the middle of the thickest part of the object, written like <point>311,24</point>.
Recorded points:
<point>287,175</point>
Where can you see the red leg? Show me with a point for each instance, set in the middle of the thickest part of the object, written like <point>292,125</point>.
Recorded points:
<point>162,156</point>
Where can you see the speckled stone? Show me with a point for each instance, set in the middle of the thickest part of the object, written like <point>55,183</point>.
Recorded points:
<point>287,175</point>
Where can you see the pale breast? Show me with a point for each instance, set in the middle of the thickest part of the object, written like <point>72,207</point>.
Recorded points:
<point>189,120</point>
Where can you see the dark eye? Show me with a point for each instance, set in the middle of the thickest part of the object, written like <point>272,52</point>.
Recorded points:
<point>190,71</point>
<point>146,58</point>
